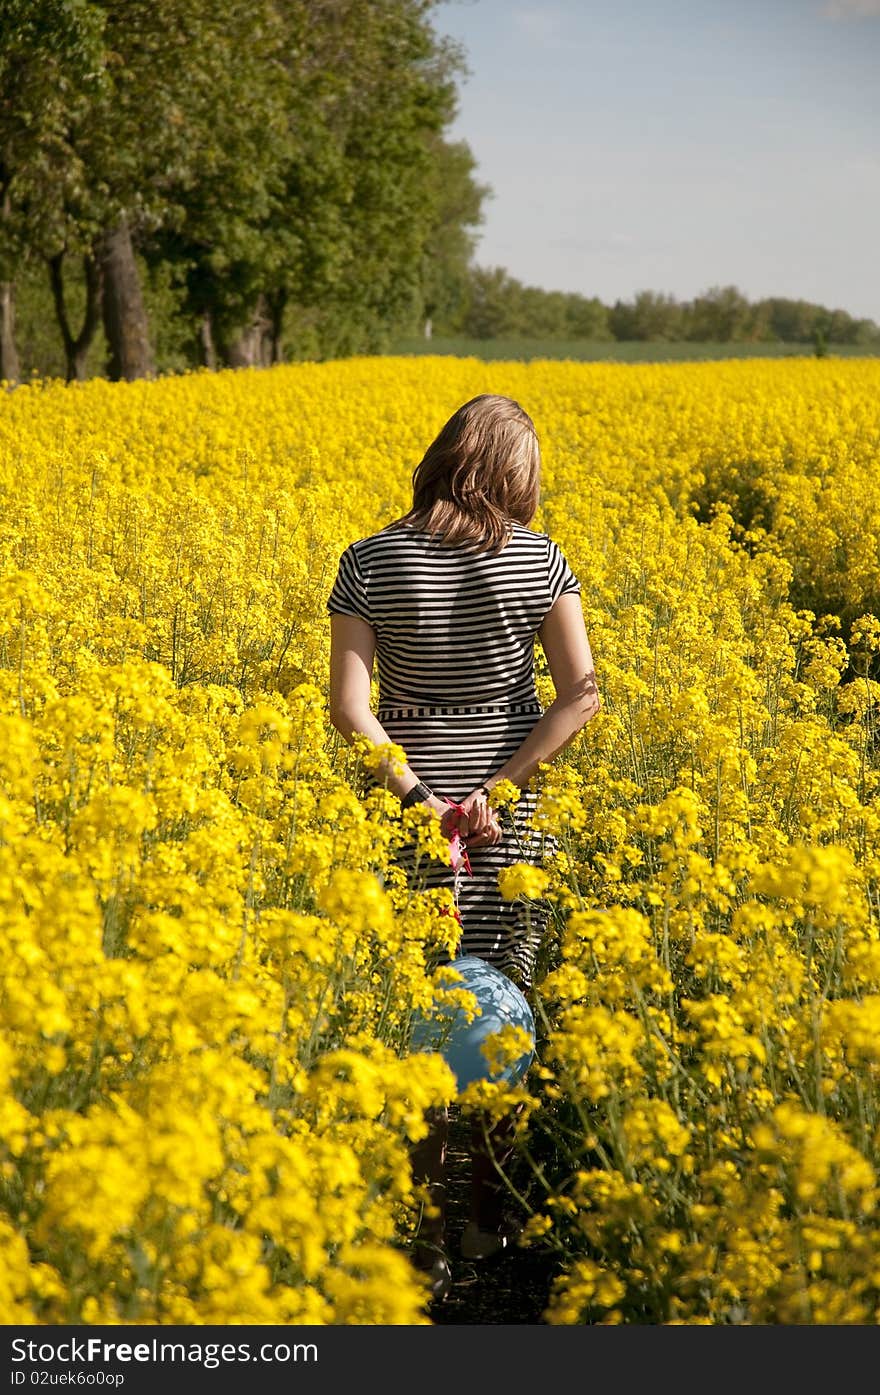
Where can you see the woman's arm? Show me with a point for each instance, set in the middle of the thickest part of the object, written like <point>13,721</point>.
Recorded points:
<point>352,651</point>
<point>565,643</point>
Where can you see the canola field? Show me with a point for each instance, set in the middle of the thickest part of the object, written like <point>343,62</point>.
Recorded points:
<point>208,962</point>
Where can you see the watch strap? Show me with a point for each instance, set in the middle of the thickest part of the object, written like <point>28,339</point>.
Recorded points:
<point>417,795</point>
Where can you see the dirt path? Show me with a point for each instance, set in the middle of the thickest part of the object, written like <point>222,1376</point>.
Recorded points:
<point>512,1287</point>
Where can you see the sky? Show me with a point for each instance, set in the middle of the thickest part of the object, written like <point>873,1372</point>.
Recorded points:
<point>676,145</point>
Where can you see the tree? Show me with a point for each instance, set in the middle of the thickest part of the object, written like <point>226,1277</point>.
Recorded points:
<point>50,69</point>
<point>718,315</point>
<point>790,320</point>
<point>86,182</point>
<point>397,100</point>
<point>650,315</point>
<point>586,317</point>
<point>542,313</point>
<point>457,201</point>
<point>494,305</point>
<point>498,304</point>
<point>339,241</point>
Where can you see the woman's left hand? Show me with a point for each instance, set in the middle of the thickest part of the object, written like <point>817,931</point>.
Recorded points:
<point>471,819</point>
<point>449,814</point>
<point>477,822</point>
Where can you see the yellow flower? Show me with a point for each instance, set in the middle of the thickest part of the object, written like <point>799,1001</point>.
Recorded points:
<point>522,879</point>
<point>211,954</point>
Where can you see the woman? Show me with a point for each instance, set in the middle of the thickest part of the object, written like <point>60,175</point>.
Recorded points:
<point>449,600</point>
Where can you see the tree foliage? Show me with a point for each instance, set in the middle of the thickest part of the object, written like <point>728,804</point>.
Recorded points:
<point>286,160</point>
<point>497,305</point>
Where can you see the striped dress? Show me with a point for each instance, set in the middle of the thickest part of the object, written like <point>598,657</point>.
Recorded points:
<point>455,634</point>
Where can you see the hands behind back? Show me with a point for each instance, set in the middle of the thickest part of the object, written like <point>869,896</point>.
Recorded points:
<point>473,820</point>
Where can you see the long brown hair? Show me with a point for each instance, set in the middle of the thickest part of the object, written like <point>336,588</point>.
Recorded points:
<point>480,474</point>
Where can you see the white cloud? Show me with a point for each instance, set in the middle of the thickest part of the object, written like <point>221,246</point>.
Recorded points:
<point>851,9</point>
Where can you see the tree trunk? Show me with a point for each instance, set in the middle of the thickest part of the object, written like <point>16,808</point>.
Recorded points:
<point>253,347</point>
<point>276,302</point>
<point>10,368</point>
<point>130,354</point>
<point>206,341</point>
<point>76,348</point>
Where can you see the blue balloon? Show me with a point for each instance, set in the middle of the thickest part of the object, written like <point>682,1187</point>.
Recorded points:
<point>459,1042</point>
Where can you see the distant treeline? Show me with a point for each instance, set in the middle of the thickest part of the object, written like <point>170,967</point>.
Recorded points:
<point>252,181</point>
<point>496,305</point>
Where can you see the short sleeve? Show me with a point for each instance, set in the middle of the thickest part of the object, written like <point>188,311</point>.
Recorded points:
<point>349,593</point>
<point>561,576</point>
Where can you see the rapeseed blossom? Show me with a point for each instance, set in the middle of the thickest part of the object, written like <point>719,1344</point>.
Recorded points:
<point>211,960</point>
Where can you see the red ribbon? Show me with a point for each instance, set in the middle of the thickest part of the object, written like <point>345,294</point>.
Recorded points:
<point>458,854</point>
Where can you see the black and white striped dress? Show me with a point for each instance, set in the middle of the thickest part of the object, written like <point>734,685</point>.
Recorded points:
<point>455,634</point>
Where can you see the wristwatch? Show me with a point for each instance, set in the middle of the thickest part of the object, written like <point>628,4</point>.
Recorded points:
<point>417,795</point>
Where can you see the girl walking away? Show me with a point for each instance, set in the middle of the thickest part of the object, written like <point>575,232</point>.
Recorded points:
<point>448,602</point>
